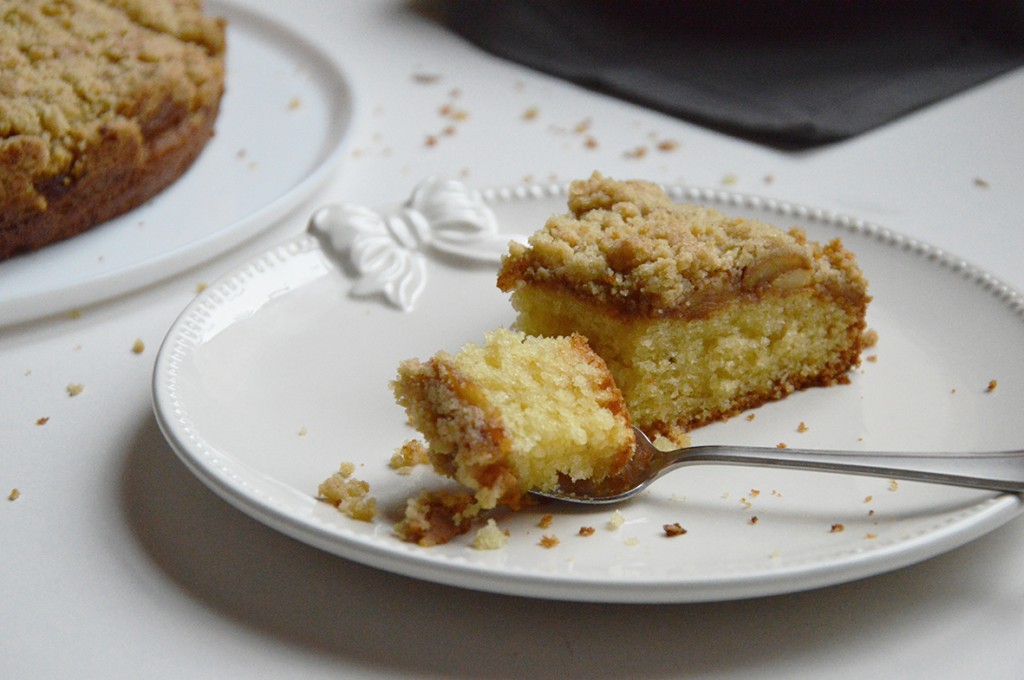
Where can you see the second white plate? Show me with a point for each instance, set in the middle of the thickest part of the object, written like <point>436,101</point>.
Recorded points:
<point>284,118</point>
<point>276,374</point>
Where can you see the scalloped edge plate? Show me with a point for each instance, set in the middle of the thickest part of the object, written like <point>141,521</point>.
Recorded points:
<point>276,374</point>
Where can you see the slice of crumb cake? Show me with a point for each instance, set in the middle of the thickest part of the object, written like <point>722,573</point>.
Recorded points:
<point>698,315</point>
<point>516,412</point>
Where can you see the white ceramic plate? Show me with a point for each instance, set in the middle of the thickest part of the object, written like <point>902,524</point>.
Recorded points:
<point>276,374</point>
<point>284,117</point>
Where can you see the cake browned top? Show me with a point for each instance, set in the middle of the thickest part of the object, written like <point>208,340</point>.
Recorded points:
<point>628,245</point>
<point>71,71</point>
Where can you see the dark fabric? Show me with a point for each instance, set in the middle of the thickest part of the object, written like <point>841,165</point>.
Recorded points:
<point>798,73</point>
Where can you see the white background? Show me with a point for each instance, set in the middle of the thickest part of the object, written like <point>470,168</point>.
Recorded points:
<point>116,562</point>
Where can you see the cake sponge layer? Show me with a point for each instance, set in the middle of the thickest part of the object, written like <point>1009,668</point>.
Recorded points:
<point>516,412</point>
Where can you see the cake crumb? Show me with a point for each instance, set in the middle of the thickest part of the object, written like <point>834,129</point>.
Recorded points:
<point>138,347</point>
<point>409,455</point>
<point>351,496</point>
<point>802,427</point>
<point>43,420</point>
<point>548,541</point>
<point>868,499</point>
<point>992,384</point>
<point>294,104</point>
<point>870,536</point>
<point>837,529</point>
<point>638,152</point>
<point>674,529</point>
<point>979,182</point>
<point>753,520</point>
<point>545,521</point>
<point>490,537</point>
<point>303,431</point>
<point>200,287</point>
<point>586,531</point>
<point>869,338</point>
<point>750,417</point>
<point>872,358</point>
<point>531,113</point>
<point>14,494</point>
<point>668,145</point>
<point>74,389</point>
<point>617,520</point>
<point>436,517</point>
<point>893,485</point>
<point>782,445</point>
<point>729,179</point>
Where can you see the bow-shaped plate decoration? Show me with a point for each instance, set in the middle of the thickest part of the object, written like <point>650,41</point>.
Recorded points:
<point>387,250</point>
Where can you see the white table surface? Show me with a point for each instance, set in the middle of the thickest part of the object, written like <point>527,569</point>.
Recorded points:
<point>116,562</point>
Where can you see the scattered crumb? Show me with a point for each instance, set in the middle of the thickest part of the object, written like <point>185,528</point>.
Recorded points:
<point>768,179</point>
<point>638,152</point>
<point>531,113</point>
<point>75,314</point>
<point>436,517</point>
<point>869,338</point>
<point>303,431</point>
<point>754,493</point>
<point>868,499</point>
<point>777,494</point>
<point>586,531</point>
<point>753,520</point>
<point>200,287</point>
<point>138,347</point>
<point>992,384</point>
<point>43,420</point>
<point>349,495</point>
<point>872,358</point>
<point>802,427</point>
<point>294,104</point>
<point>953,391</point>
<point>750,417</point>
<point>583,126</point>
<point>674,529</point>
<point>409,455</point>
<point>545,521</point>
<point>490,537</point>
<point>617,520</point>
<point>425,78</point>
<point>14,494</point>
<point>590,142</point>
<point>632,541</point>
<point>871,513</point>
<point>893,485</point>
<point>668,145</point>
<point>74,389</point>
<point>837,529</point>
<point>871,537</point>
<point>548,541</point>
<point>979,182</point>
<point>729,179</point>
<point>782,445</point>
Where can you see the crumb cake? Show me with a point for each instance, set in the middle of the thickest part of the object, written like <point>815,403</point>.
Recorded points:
<point>515,413</point>
<point>103,104</point>
<point>697,314</point>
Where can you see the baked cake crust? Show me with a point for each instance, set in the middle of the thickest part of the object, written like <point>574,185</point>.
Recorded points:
<point>103,104</point>
<point>698,315</point>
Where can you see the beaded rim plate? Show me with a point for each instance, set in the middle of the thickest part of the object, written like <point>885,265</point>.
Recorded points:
<point>279,372</point>
<point>281,132</point>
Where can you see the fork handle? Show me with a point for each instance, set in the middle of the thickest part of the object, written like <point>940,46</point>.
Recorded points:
<point>996,471</point>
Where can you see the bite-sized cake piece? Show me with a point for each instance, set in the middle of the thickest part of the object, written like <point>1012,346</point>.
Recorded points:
<point>103,103</point>
<point>516,412</point>
<point>698,315</point>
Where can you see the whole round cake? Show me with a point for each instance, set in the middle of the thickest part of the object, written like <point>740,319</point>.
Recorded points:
<point>103,104</point>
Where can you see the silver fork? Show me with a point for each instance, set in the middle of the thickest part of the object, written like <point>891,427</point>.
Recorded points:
<point>993,470</point>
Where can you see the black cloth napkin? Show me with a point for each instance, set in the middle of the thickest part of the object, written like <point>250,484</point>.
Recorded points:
<point>797,73</point>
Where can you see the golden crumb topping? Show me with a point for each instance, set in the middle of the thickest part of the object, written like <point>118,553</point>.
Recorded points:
<point>71,69</point>
<point>627,244</point>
